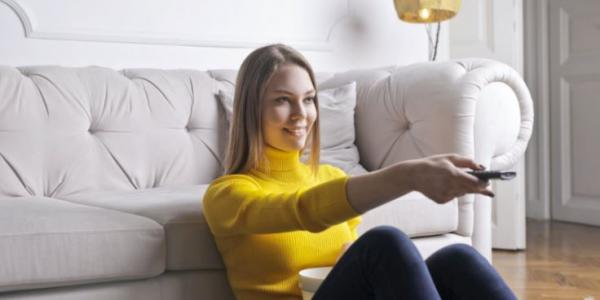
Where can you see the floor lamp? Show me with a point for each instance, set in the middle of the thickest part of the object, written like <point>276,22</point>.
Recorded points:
<point>427,12</point>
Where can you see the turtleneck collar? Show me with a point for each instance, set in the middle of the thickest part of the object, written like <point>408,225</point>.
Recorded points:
<point>282,165</point>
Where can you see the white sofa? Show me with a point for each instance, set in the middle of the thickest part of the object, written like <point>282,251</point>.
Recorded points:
<point>102,172</point>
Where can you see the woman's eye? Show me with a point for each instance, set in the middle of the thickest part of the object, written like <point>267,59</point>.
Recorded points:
<point>281,99</point>
<point>309,99</point>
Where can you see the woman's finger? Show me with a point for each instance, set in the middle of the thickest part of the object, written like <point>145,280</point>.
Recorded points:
<point>471,180</point>
<point>464,162</point>
<point>472,184</point>
<point>488,193</point>
<point>482,188</point>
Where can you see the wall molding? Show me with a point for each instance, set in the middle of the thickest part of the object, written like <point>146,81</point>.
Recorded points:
<point>563,25</point>
<point>489,39</point>
<point>566,167</point>
<point>33,32</point>
<point>21,14</point>
<point>568,203</point>
<point>573,86</point>
<point>483,42</point>
<point>537,77</point>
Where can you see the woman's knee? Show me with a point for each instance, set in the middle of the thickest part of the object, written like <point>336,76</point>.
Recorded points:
<point>390,239</point>
<point>462,251</point>
<point>459,254</point>
<point>391,249</point>
<point>386,235</point>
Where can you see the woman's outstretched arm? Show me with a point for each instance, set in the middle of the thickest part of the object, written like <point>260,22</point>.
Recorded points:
<point>439,177</point>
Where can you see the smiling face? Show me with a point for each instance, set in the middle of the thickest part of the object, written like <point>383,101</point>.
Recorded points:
<point>288,108</point>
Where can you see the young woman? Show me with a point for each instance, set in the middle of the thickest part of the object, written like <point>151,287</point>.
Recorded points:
<point>273,215</point>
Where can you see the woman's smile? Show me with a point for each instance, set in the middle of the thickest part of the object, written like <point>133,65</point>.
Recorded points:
<point>296,131</point>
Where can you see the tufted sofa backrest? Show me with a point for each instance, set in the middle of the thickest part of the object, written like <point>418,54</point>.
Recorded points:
<point>68,130</point>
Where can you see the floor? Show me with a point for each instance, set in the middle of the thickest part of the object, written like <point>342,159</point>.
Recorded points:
<point>562,261</point>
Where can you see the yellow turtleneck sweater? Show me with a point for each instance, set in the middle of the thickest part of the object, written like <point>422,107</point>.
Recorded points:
<point>272,222</point>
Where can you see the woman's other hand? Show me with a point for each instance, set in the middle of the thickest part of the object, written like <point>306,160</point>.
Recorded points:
<point>442,178</point>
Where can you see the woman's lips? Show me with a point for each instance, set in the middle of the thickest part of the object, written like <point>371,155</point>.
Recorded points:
<point>296,131</point>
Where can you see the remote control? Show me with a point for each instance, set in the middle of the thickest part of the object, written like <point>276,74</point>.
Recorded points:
<point>487,175</point>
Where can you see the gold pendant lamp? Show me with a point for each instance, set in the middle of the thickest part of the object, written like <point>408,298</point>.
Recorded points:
<point>426,11</point>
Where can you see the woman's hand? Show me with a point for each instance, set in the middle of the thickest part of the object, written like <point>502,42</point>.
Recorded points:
<point>441,177</point>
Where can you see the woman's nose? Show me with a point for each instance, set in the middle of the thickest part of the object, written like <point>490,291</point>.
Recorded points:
<point>298,111</point>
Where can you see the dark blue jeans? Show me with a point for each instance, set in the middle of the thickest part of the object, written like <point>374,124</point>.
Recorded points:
<point>384,264</point>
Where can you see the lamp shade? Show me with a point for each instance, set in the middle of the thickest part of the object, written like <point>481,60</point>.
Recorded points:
<point>426,11</point>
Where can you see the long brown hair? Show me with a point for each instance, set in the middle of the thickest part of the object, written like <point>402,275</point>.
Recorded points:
<point>245,148</point>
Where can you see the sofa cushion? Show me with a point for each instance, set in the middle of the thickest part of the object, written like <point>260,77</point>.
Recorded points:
<point>414,214</point>
<point>190,244</point>
<point>336,113</point>
<point>65,130</point>
<point>180,285</point>
<point>46,242</point>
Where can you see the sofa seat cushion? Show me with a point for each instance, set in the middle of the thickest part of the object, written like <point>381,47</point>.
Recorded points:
<point>190,244</point>
<point>414,214</point>
<point>46,242</point>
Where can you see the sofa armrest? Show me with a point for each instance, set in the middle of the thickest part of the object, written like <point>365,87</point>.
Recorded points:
<point>474,107</point>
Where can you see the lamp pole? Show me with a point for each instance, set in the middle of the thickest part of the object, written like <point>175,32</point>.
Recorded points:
<point>433,39</point>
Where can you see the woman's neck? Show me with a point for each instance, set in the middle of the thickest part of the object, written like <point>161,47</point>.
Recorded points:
<point>278,160</point>
<point>282,165</point>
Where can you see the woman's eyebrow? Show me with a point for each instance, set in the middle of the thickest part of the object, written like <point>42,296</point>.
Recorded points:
<point>312,91</point>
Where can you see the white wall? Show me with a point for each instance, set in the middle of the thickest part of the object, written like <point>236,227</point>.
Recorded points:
<point>333,34</point>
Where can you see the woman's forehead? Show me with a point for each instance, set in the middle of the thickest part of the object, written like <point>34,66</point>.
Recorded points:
<point>290,78</point>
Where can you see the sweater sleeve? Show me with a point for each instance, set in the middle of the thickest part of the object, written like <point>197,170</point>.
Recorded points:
<point>354,222</point>
<point>353,225</point>
<point>236,204</point>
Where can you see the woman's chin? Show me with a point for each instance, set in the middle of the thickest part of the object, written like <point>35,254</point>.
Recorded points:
<point>295,144</point>
<point>295,148</point>
<point>292,147</point>
<point>288,143</point>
